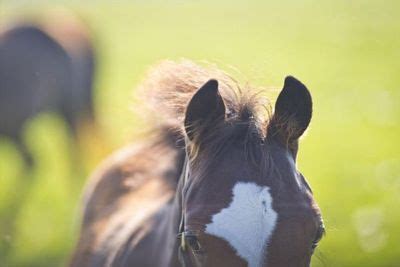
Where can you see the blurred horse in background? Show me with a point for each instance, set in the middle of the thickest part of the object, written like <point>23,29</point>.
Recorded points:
<point>45,66</point>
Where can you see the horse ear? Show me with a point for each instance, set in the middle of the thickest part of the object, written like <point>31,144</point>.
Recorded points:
<point>293,111</point>
<point>205,109</point>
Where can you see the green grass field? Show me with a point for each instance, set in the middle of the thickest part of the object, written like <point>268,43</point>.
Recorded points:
<point>346,52</point>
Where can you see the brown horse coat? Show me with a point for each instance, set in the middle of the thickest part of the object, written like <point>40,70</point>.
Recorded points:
<point>224,185</point>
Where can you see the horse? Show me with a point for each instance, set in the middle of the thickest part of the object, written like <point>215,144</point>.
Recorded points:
<point>41,72</point>
<point>216,184</point>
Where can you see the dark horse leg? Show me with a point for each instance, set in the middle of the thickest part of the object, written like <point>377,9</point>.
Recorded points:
<point>27,157</point>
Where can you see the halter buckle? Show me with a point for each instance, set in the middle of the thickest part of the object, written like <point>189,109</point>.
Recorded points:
<point>182,238</point>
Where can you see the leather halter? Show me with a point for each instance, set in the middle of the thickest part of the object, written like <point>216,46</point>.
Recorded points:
<point>183,255</point>
<point>184,177</point>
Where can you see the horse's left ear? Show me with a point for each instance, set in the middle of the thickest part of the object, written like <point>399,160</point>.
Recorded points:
<point>205,109</point>
<point>293,111</point>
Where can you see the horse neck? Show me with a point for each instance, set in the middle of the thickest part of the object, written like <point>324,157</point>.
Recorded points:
<point>168,226</point>
<point>176,213</point>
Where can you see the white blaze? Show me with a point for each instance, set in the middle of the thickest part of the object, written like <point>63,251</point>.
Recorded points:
<point>247,223</point>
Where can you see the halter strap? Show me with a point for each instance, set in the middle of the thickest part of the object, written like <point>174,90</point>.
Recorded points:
<point>184,177</point>
<point>182,250</point>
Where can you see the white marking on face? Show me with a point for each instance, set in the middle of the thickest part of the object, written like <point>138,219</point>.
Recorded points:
<point>247,223</point>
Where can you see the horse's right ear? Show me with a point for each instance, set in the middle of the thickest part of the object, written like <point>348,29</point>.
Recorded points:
<point>293,111</point>
<point>205,109</point>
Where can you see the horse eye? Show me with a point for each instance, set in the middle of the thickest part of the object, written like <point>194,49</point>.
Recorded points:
<point>193,243</point>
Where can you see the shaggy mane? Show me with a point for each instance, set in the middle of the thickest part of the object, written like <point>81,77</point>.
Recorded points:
<point>170,85</point>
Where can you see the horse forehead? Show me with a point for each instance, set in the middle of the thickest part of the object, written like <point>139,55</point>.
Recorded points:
<point>247,223</point>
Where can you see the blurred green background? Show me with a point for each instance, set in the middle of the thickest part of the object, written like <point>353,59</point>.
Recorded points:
<point>346,52</point>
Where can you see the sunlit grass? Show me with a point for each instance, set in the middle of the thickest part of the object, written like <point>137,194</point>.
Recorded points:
<point>347,54</point>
